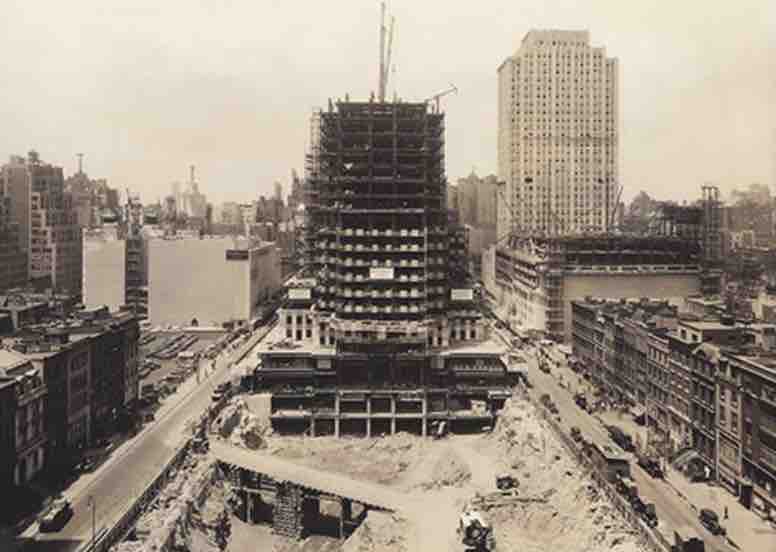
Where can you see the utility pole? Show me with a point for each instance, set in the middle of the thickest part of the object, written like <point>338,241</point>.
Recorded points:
<point>93,504</point>
<point>80,163</point>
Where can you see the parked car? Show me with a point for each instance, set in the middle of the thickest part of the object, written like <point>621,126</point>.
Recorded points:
<point>647,512</point>
<point>710,520</point>
<point>622,439</point>
<point>651,466</point>
<point>57,516</point>
<point>576,434</point>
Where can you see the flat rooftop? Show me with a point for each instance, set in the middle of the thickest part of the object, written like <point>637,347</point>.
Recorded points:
<point>276,342</point>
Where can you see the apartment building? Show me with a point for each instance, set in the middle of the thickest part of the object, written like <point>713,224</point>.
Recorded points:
<point>48,220</point>
<point>710,399</point>
<point>89,366</point>
<point>747,428</point>
<point>558,135</point>
<point>13,259</point>
<point>22,412</point>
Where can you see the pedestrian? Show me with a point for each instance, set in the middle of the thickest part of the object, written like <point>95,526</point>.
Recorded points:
<point>726,512</point>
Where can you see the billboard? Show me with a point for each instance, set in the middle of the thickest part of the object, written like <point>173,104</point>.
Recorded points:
<point>381,273</point>
<point>237,254</point>
<point>299,293</point>
<point>461,295</point>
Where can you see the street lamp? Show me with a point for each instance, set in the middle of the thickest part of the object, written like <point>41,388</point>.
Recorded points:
<point>91,502</point>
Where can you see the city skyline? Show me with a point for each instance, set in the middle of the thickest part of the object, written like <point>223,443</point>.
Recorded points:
<point>695,91</point>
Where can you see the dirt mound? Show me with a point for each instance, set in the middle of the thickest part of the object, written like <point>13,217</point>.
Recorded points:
<point>379,459</point>
<point>448,471</point>
<point>241,426</point>
<point>380,532</point>
<point>576,516</point>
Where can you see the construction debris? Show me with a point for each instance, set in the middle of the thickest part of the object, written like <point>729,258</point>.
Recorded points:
<point>241,426</point>
<point>380,532</point>
<point>449,471</point>
<point>571,516</point>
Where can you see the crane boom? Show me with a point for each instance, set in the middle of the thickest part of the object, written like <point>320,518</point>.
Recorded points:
<point>381,83</point>
<point>387,65</point>
<point>435,98</point>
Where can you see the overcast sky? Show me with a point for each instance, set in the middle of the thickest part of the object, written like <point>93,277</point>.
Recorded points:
<point>146,88</point>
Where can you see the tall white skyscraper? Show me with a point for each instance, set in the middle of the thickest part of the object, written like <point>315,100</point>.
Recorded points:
<point>558,136</point>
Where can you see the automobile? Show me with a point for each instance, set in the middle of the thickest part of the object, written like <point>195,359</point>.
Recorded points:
<point>710,520</point>
<point>87,465</point>
<point>646,511</point>
<point>505,481</point>
<point>576,434</point>
<point>623,440</point>
<point>651,466</point>
<point>57,516</point>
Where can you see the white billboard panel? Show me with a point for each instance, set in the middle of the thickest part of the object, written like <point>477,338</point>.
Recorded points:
<point>461,295</point>
<point>299,293</point>
<point>381,273</point>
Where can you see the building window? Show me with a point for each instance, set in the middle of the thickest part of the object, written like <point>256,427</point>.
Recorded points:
<point>309,333</point>
<point>299,335</point>
<point>289,334</point>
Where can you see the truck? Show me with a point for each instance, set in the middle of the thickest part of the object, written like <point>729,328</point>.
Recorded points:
<point>475,532</point>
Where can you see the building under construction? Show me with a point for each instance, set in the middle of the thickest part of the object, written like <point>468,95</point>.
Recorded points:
<point>383,333</point>
<point>537,278</point>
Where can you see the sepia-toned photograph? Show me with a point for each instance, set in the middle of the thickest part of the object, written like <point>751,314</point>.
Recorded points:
<point>387,276</point>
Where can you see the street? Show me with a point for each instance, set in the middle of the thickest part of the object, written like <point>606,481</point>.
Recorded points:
<point>672,511</point>
<point>116,484</point>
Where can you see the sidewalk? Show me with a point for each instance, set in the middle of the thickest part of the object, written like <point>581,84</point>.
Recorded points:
<point>744,527</point>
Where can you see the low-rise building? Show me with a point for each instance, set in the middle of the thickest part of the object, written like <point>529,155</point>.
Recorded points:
<point>708,387</point>
<point>212,280</point>
<point>22,429</point>
<point>89,365</point>
<point>747,428</point>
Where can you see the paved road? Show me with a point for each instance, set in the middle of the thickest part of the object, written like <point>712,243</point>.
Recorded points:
<point>672,511</point>
<point>125,477</point>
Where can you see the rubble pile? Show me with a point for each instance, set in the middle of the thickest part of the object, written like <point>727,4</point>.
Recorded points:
<point>378,459</point>
<point>241,426</point>
<point>575,516</point>
<point>448,471</point>
<point>164,518</point>
<point>380,532</point>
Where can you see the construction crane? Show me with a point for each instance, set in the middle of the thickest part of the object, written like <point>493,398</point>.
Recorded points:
<point>435,98</point>
<point>385,57</point>
<point>615,207</point>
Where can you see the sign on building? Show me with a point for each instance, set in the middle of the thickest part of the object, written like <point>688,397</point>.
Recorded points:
<point>237,254</point>
<point>461,295</point>
<point>381,273</point>
<point>299,293</point>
